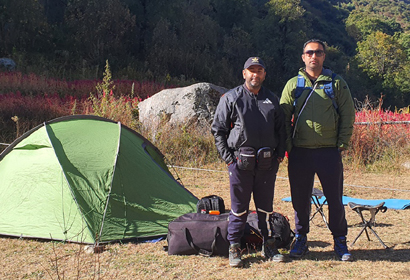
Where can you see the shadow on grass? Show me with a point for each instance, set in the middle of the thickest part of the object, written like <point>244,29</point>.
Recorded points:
<point>360,225</point>
<point>374,255</point>
<point>390,254</point>
<point>320,244</point>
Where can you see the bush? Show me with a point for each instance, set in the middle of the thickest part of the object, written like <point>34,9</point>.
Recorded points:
<point>19,113</point>
<point>38,85</point>
<point>381,138</point>
<point>186,146</point>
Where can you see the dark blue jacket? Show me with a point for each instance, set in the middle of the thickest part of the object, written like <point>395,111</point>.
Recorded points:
<point>243,119</point>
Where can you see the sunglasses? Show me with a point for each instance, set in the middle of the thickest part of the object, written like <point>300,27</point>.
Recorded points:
<point>317,52</point>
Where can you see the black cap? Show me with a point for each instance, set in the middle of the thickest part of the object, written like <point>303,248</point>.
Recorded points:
<point>254,60</point>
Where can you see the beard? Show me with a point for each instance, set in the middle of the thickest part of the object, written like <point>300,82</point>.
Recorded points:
<point>255,84</point>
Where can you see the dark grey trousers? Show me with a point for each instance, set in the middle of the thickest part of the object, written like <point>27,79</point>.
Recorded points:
<point>327,164</point>
<point>242,184</point>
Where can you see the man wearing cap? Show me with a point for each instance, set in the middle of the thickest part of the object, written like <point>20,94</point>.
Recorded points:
<point>249,133</point>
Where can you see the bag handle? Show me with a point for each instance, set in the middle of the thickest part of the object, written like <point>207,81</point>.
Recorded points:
<point>203,252</point>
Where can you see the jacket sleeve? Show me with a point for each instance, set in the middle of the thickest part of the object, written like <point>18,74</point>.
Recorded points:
<point>346,112</point>
<point>286,103</point>
<point>221,127</point>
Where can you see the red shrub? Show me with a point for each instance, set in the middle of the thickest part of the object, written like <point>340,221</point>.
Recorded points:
<point>37,85</point>
<point>377,132</point>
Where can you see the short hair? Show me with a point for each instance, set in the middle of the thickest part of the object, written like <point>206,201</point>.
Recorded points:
<point>314,41</point>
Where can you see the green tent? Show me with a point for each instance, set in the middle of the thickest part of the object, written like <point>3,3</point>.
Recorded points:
<point>90,180</point>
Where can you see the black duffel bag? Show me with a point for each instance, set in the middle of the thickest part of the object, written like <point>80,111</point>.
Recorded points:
<point>196,233</point>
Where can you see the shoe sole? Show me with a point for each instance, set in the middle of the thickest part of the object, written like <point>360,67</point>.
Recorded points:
<point>236,265</point>
<point>346,258</point>
<point>278,260</point>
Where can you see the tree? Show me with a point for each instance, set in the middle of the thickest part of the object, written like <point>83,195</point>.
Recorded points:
<point>23,27</point>
<point>384,59</point>
<point>403,84</point>
<point>98,29</point>
<point>232,14</point>
<point>405,42</point>
<point>237,47</point>
<point>381,55</point>
<point>148,14</point>
<point>279,38</point>
<point>360,24</point>
<point>336,60</point>
<point>186,46</point>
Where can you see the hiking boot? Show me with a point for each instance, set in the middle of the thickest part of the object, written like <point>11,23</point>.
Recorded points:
<point>235,255</point>
<point>341,249</point>
<point>300,247</point>
<point>270,252</point>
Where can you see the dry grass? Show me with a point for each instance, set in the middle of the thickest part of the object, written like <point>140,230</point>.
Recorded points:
<point>28,259</point>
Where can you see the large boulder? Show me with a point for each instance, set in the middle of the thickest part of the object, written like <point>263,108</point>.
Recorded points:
<point>195,104</point>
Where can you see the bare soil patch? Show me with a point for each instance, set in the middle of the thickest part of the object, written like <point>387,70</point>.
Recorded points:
<point>30,259</point>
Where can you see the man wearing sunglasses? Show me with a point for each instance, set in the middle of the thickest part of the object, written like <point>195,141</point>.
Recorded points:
<point>318,127</point>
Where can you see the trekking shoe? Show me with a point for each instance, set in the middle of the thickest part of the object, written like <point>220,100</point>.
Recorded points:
<point>235,255</point>
<point>270,252</point>
<point>299,248</point>
<point>341,249</point>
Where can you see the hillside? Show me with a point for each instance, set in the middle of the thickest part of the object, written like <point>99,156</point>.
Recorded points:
<point>182,42</point>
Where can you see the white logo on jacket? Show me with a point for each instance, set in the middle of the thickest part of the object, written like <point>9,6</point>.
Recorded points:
<point>267,101</point>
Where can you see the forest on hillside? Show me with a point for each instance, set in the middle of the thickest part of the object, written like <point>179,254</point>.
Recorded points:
<point>185,41</point>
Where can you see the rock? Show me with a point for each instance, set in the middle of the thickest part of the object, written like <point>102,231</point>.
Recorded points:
<point>195,104</point>
<point>7,64</point>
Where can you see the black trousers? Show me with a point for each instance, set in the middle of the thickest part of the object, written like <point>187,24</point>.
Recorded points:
<point>327,164</point>
<point>242,184</point>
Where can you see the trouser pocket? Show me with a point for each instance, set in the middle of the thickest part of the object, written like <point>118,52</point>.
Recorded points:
<point>246,159</point>
<point>264,158</point>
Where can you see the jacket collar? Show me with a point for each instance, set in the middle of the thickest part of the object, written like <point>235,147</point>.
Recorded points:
<point>326,75</point>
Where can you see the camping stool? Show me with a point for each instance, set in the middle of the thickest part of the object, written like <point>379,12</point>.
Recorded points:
<point>316,195</point>
<point>358,208</point>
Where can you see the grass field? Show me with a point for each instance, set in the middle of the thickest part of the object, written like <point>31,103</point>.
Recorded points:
<point>29,259</point>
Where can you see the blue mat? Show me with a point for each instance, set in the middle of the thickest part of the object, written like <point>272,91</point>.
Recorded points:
<point>392,203</point>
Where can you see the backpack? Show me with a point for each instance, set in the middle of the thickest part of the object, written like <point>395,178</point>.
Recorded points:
<point>210,203</point>
<point>281,230</point>
<point>327,87</point>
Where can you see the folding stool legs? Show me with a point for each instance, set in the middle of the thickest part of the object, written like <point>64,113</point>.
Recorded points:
<point>316,195</point>
<point>367,225</point>
<point>358,208</point>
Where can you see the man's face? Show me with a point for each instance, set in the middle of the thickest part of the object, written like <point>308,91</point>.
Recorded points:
<point>313,56</point>
<point>254,77</point>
